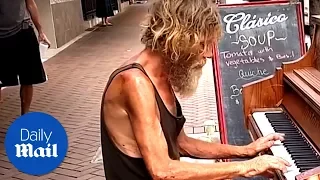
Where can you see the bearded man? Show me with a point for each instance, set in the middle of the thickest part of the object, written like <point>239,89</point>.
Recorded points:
<point>141,119</point>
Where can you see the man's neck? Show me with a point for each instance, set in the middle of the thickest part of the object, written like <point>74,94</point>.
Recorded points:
<point>152,63</point>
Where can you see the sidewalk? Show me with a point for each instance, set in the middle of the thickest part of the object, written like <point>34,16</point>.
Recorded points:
<point>77,77</point>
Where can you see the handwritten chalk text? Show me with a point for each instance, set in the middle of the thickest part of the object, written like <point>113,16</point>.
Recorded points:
<point>248,21</point>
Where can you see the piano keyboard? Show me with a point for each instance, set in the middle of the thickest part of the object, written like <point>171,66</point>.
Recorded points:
<point>295,148</point>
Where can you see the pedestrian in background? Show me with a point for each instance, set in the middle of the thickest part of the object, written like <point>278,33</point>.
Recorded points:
<point>20,61</point>
<point>104,10</point>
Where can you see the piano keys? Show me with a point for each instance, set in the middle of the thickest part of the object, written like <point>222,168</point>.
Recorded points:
<point>289,102</point>
<point>295,148</point>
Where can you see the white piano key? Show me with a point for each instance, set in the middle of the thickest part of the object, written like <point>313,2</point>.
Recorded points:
<point>268,129</point>
<point>262,121</point>
<point>291,175</point>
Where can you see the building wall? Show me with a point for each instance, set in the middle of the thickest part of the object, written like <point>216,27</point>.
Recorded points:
<point>62,20</point>
<point>123,5</point>
<point>67,19</point>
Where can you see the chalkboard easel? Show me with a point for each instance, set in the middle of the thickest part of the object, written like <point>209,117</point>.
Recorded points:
<point>257,38</point>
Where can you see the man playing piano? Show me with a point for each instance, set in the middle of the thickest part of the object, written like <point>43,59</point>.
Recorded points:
<point>141,119</point>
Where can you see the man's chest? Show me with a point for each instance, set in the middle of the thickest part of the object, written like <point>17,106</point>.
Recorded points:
<point>168,100</point>
<point>14,8</point>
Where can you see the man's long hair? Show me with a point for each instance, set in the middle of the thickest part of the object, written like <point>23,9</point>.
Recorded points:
<point>181,30</point>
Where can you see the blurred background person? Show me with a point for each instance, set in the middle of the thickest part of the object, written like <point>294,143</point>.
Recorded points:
<point>20,62</point>
<point>104,10</point>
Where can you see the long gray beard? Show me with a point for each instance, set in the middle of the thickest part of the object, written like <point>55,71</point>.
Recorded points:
<point>188,86</point>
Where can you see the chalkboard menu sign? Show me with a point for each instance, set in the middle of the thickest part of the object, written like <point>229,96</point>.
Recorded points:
<point>257,38</point>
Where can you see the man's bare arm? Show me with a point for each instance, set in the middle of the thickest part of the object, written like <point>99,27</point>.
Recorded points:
<point>201,149</point>
<point>34,13</point>
<point>141,107</point>
<point>33,10</point>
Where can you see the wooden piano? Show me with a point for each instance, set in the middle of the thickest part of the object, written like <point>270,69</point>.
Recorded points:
<point>289,102</point>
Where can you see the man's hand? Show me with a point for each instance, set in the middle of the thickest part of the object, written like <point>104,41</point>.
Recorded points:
<point>266,165</point>
<point>263,143</point>
<point>43,38</point>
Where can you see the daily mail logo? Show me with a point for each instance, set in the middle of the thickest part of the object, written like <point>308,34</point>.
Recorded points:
<point>36,143</point>
<point>28,150</point>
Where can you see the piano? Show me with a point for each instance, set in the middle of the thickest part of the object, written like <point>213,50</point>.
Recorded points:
<point>289,102</point>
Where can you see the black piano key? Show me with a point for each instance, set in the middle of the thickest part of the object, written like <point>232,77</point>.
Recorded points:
<point>299,148</point>
<point>310,160</point>
<point>294,137</point>
<point>280,121</point>
<point>299,151</point>
<point>306,162</point>
<point>300,144</point>
<point>285,129</point>
<point>275,115</point>
<point>293,141</point>
<point>310,154</point>
<point>297,156</point>
<point>283,126</point>
<point>306,166</point>
<point>289,133</point>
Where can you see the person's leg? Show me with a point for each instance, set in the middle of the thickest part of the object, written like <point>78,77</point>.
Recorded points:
<point>103,21</point>
<point>26,94</point>
<point>31,70</point>
<point>107,21</point>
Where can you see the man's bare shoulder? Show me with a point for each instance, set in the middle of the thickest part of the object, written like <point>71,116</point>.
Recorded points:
<point>132,82</point>
<point>135,79</point>
<point>133,92</point>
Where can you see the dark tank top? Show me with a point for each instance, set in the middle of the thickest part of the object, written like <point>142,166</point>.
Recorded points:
<point>119,166</point>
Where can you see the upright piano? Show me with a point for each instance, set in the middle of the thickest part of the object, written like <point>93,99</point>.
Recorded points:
<point>289,102</point>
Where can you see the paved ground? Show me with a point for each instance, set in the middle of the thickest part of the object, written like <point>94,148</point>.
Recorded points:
<point>77,77</point>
